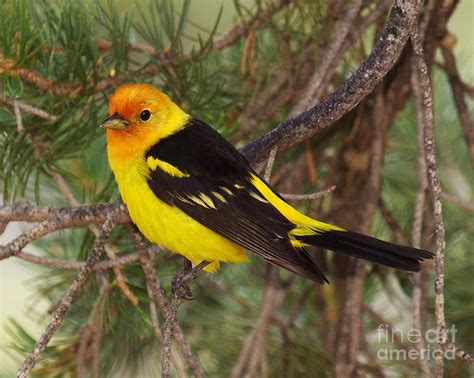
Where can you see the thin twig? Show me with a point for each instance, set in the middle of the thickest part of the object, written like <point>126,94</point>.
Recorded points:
<point>269,166</point>
<point>110,250</point>
<point>66,301</point>
<point>16,104</point>
<point>420,201</point>
<point>76,265</point>
<point>310,196</point>
<point>422,81</point>
<point>19,119</point>
<point>16,245</point>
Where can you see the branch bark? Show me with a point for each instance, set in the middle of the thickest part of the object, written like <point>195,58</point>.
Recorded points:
<point>422,81</point>
<point>420,201</point>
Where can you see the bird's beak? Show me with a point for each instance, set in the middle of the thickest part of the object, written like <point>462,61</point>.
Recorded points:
<point>114,122</point>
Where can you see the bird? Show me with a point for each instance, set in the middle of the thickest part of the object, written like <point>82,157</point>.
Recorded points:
<point>191,191</point>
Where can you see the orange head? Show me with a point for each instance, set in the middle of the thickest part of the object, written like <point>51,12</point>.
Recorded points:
<point>139,116</point>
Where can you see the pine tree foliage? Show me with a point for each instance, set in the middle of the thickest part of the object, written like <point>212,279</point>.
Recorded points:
<point>66,57</point>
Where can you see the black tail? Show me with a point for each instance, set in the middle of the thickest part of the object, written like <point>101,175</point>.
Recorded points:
<point>371,249</point>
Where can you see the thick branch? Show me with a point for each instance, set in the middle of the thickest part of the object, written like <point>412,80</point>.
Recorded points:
<point>66,216</point>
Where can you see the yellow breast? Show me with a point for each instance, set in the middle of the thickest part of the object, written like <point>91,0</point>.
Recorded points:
<point>167,225</point>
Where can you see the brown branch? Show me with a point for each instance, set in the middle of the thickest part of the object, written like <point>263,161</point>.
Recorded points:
<point>422,81</point>
<point>160,296</point>
<point>420,201</point>
<point>267,307</point>
<point>382,58</point>
<point>66,301</point>
<point>66,217</point>
<point>16,245</point>
<point>28,108</point>
<point>18,117</point>
<point>76,265</point>
<point>110,250</point>
<point>181,291</point>
<point>310,196</point>
<point>152,286</point>
<point>8,67</point>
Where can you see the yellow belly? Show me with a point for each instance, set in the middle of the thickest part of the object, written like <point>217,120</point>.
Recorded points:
<point>168,226</point>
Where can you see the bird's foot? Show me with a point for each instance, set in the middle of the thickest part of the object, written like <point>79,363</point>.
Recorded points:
<point>180,283</point>
<point>180,287</point>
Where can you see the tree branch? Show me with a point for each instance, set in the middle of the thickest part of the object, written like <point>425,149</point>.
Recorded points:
<point>382,58</point>
<point>422,81</point>
<point>146,258</point>
<point>76,265</point>
<point>180,292</point>
<point>420,201</point>
<point>66,301</point>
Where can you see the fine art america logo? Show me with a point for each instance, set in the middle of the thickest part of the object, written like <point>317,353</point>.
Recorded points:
<point>407,344</point>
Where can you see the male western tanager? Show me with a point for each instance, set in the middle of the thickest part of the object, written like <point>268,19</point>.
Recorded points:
<point>191,191</point>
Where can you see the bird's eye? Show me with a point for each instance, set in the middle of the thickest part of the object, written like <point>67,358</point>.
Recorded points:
<point>145,115</point>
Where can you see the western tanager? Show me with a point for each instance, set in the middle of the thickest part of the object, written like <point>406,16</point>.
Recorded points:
<point>191,191</point>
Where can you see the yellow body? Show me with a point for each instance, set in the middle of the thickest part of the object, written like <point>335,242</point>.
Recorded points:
<point>168,226</point>
<point>161,223</point>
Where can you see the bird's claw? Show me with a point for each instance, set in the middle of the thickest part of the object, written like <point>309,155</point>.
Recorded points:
<point>178,284</point>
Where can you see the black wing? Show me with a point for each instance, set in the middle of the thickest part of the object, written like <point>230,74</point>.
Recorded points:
<point>215,189</point>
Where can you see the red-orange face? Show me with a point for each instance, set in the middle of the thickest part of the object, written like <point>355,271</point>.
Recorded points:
<point>139,116</point>
<point>133,105</point>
